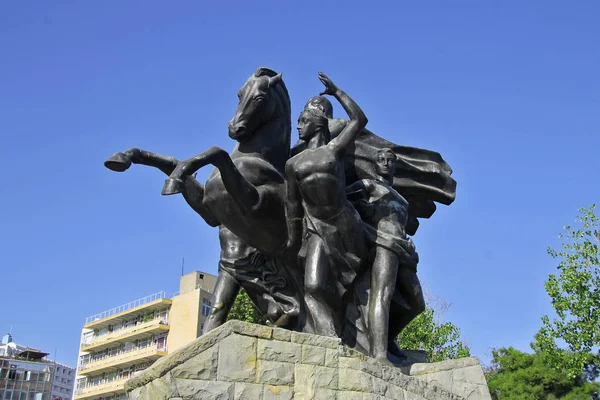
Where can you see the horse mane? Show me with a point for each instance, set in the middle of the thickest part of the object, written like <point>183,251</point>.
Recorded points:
<point>283,98</point>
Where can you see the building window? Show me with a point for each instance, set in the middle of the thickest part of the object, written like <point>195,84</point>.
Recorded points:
<point>206,307</point>
<point>201,329</point>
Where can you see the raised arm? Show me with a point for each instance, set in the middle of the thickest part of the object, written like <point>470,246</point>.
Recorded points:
<point>294,211</point>
<point>358,120</point>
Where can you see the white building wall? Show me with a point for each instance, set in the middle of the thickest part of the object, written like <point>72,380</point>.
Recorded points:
<point>63,383</point>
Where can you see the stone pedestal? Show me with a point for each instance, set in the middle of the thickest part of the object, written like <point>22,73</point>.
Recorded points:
<point>245,361</point>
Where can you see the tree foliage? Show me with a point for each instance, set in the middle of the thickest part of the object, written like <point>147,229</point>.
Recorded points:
<point>575,297</point>
<point>563,365</point>
<point>441,340</point>
<point>244,310</point>
<point>516,375</point>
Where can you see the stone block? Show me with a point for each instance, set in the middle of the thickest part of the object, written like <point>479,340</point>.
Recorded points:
<point>354,380</point>
<point>372,367</point>
<point>282,334</point>
<point>275,373</point>
<point>332,357</point>
<point>166,364</point>
<point>313,355</point>
<point>244,328</point>
<point>348,352</point>
<point>205,390</point>
<point>248,391</point>
<point>162,389</point>
<point>275,350</point>
<point>138,393</point>
<point>304,378</point>
<point>326,377</point>
<point>237,359</point>
<point>353,395</point>
<point>271,392</point>
<point>315,340</point>
<point>464,377</point>
<point>325,394</point>
<point>348,363</point>
<point>395,392</point>
<point>203,366</point>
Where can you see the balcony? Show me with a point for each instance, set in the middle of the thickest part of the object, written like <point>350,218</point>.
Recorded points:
<point>105,387</point>
<point>111,317</point>
<point>123,359</point>
<point>97,343</point>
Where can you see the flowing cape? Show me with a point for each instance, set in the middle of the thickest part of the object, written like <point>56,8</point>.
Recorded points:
<point>422,176</point>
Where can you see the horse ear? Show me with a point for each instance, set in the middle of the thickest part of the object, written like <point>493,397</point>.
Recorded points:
<point>274,80</point>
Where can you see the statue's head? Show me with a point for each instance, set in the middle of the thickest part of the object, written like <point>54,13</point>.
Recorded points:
<point>386,163</point>
<point>311,122</point>
<point>257,104</point>
<point>320,103</point>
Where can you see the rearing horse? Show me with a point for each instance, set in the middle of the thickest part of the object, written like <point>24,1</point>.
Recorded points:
<point>244,195</point>
<point>246,190</point>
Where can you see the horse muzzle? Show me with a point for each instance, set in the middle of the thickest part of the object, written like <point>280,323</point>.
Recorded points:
<point>238,132</point>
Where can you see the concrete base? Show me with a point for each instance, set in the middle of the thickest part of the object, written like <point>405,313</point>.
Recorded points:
<point>245,361</point>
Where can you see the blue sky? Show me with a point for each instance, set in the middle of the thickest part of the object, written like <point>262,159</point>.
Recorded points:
<point>508,92</point>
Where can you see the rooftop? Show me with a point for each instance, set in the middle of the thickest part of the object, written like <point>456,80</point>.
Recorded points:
<point>125,307</point>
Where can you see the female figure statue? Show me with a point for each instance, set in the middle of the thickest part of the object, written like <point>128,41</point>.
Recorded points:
<point>385,214</point>
<point>334,247</point>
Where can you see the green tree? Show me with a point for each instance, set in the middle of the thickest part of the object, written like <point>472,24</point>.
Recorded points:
<point>516,375</point>
<point>441,340</point>
<point>575,297</point>
<point>244,309</point>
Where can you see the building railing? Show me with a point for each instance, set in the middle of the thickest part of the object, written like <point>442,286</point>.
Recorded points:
<point>125,332</point>
<point>125,307</point>
<point>123,356</point>
<point>103,384</point>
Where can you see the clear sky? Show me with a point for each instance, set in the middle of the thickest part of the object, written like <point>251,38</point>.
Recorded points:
<point>508,92</point>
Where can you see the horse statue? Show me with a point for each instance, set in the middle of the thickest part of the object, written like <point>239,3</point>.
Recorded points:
<point>245,196</point>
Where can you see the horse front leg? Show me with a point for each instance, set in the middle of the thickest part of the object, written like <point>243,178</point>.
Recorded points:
<point>193,191</point>
<point>239,188</point>
<point>120,162</point>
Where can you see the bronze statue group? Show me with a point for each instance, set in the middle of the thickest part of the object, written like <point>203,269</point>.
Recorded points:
<point>316,234</point>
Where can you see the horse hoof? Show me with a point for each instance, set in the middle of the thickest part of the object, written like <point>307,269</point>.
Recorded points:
<point>119,162</point>
<point>173,186</point>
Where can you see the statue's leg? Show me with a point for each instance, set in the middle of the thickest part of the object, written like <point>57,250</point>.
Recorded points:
<point>225,292</point>
<point>193,191</point>
<point>383,278</point>
<point>409,287</point>
<point>120,162</point>
<point>321,300</point>
<point>239,188</point>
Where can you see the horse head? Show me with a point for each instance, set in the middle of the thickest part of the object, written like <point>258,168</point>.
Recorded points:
<point>262,99</point>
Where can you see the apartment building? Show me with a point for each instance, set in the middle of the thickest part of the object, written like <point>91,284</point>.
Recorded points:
<point>63,382</point>
<point>119,343</point>
<point>26,374</point>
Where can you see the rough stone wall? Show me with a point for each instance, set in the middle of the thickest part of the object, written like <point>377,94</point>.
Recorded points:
<point>463,377</point>
<point>246,361</point>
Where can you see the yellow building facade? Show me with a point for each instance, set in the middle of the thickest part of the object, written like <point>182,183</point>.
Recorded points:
<point>123,341</point>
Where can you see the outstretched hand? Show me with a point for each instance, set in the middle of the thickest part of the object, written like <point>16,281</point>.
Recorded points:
<point>330,87</point>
